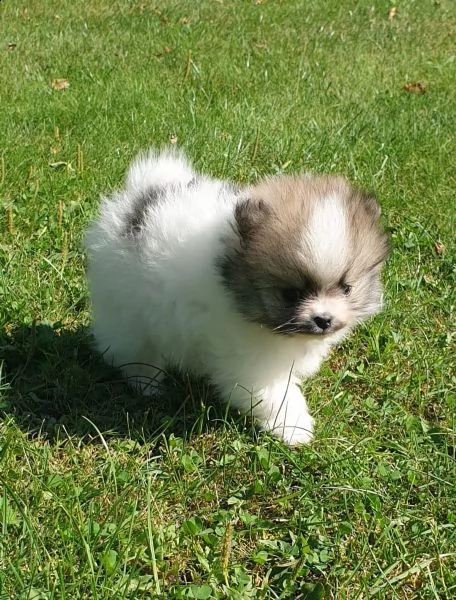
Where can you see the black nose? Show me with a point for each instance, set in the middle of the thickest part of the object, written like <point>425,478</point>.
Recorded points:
<point>323,321</point>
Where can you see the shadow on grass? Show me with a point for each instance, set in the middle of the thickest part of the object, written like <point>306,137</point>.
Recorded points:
<point>57,384</point>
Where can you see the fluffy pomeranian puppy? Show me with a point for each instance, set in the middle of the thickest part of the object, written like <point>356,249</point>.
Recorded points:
<point>250,286</point>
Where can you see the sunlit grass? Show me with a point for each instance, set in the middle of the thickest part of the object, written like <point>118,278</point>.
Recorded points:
<point>105,496</point>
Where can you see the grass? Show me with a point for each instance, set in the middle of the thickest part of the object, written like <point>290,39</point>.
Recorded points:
<point>104,496</point>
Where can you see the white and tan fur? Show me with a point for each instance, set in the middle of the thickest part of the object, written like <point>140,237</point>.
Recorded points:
<point>249,286</point>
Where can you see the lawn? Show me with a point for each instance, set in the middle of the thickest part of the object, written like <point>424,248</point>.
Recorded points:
<point>104,495</point>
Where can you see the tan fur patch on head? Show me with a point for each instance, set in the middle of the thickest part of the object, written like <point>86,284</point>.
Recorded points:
<point>313,235</point>
<point>320,219</point>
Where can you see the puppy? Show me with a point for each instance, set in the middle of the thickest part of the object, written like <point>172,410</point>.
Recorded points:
<point>250,286</point>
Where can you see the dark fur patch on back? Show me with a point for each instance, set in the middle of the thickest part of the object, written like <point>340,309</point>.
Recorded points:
<point>144,201</point>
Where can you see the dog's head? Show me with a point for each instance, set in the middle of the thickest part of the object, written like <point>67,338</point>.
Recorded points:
<point>306,255</point>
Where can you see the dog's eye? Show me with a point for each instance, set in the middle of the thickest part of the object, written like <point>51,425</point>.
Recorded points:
<point>291,295</point>
<point>346,289</point>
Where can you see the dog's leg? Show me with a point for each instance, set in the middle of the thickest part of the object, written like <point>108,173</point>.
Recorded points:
<point>144,374</point>
<point>279,408</point>
<point>127,346</point>
<point>286,415</point>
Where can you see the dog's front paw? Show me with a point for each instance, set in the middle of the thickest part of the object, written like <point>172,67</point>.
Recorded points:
<point>295,432</point>
<point>290,419</point>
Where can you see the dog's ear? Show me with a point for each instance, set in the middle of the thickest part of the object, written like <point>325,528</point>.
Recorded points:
<point>371,205</point>
<point>250,214</point>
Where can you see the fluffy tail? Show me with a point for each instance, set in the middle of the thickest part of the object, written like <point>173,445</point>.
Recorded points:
<point>159,169</point>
